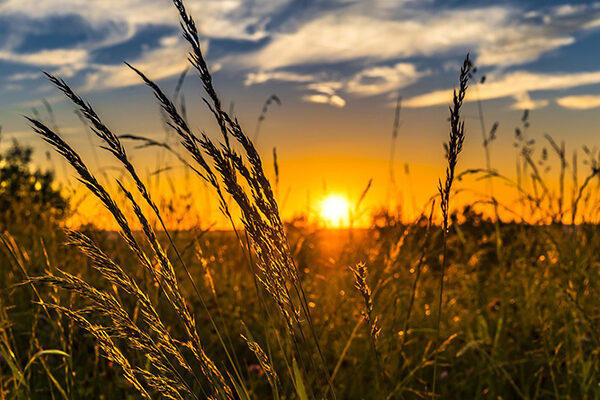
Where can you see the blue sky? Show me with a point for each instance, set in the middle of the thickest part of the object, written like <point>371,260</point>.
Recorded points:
<point>337,65</point>
<point>331,51</point>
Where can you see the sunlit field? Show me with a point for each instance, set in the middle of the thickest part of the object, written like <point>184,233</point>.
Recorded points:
<point>212,276</point>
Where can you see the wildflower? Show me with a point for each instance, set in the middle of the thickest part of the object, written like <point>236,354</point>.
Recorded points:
<point>256,369</point>
<point>494,305</point>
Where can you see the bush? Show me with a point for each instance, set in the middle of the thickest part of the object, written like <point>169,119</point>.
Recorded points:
<point>28,195</point>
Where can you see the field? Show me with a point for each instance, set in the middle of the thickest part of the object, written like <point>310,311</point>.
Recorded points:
<point>458,303</point>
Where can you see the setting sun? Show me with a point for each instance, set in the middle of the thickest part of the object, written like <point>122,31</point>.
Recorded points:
<point>335,211</point>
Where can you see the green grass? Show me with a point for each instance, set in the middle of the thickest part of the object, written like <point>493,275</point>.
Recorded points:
<point>526,328</point>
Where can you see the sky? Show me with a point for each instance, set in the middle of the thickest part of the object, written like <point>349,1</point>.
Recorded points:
<point>338,67</point>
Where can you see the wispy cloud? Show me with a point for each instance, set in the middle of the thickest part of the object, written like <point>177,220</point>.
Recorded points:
<point>583,102</point>
<point>219,18</point>
<point>383,45</point>
<point>152,62</point>
<point>375,33</point>
<point>352,35</point>
<point>12,87</point>
<point>254,78</point>
<point>500,35</point>
<point>378,80</point>
<point>111,23</point>
<point>322,98</point>
<point>58,57</point>
<point>523,101</point>
<point>513,84</point>
<point>23,76</point>
<point>327,93</point>
<point>368,82</point>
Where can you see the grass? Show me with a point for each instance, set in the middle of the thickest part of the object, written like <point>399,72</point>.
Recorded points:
<point>474,307</point>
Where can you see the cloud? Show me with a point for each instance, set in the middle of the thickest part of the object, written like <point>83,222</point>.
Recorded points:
<point>333,100</point>
<point>378,80</point>
<point>327,87</point>
<point>525,102</point>
<point>237,19</point>
<point>23,76</point>
<point>520,50</point>
<point>583,102</point>
<point>110,23</point>
<point>570,9</point>
<point>57,57</point>
<point>162,62</point>
<point>499,35</point>
<point>337,37</point>
<point>12,87</point>
<point>326,94</point>
<point>512,84</point>
<point>376,40</point>
<point>266,76</point>
<point>367,82</point>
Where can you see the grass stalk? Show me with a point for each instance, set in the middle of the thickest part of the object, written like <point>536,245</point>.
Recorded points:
<point>453,149</point>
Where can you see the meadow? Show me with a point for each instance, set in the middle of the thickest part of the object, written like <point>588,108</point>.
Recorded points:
<point>480,301</point>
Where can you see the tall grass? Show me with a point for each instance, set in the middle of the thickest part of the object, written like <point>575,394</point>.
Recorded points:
<point>453,149</point>
<point>241,176</point>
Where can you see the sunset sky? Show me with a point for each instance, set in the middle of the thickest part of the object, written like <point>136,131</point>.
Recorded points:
<point>337,66</point>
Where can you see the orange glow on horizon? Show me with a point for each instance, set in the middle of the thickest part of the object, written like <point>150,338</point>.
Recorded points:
<point>323,190</point>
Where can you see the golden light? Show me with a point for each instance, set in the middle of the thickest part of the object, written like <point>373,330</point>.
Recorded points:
<point>334,211</point>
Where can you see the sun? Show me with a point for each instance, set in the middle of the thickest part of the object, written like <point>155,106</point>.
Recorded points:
<point>334,211</point>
